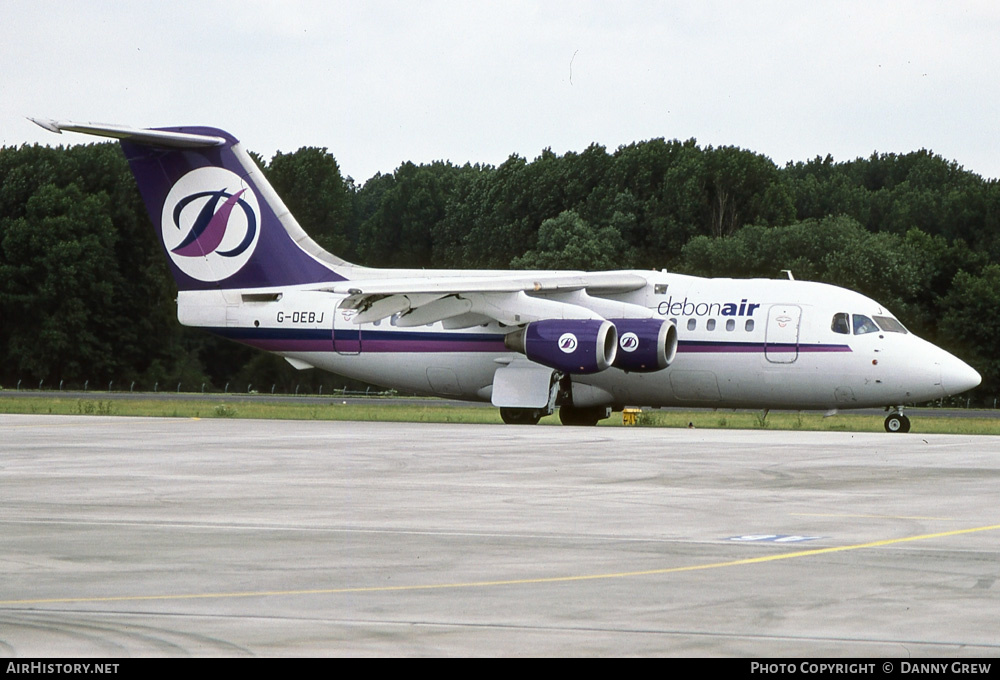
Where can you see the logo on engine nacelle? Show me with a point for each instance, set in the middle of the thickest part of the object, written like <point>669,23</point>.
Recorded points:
<point>629,342</point>
<point>567,343</point>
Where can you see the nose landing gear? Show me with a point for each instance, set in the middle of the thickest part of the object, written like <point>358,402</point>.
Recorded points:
<point>896,421</point>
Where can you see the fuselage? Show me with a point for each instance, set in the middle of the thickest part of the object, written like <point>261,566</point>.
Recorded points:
<point>758,343</point>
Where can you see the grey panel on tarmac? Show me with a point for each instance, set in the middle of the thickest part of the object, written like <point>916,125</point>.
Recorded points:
<point>136,536</point>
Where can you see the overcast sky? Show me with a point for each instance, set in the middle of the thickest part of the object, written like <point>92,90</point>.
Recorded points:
<point>379,83</point>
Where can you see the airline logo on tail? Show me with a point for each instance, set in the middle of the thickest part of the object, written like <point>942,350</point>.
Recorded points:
<point>210,223</point>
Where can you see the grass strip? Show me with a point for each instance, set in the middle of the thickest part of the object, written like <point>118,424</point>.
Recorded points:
<point>924,420</point>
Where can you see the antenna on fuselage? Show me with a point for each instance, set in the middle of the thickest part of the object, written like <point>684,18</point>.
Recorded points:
<point>789,272</point>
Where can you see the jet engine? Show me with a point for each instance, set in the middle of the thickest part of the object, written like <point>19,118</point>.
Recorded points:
<point>645,345</point>
<point>567,345</point>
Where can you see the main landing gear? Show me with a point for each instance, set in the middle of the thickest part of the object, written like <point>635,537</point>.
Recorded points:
<point>568,415</point>
<point>587,416</point>
<point>560,392</point>
<point>520,416</point>
<point>897,422</point>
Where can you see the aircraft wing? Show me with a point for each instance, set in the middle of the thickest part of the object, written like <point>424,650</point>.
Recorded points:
<point>512,298</point>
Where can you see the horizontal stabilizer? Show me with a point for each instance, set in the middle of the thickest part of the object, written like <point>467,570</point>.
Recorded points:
<point>164,138</point>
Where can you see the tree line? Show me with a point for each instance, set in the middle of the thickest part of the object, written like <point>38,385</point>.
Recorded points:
<point>85,293</point>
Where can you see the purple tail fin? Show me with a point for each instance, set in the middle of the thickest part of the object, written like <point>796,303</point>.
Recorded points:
<point>219,221</point>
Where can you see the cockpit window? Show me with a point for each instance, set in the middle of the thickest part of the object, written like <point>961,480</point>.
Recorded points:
<point>841,324</point>
<point>862,325</point>
<point>887,323</point>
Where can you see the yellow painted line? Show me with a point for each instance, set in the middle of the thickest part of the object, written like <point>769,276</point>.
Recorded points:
<point>838,514</point>
<point>507,582</point>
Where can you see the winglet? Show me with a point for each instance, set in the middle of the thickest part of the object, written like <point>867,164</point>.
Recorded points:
<point>162,138</point>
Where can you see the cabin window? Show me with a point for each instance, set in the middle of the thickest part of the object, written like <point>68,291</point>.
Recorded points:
<point>673,321</point>
<point>887,323</point>
<point>841,324</point>
<point>730,324</point>
<point>749,325</point>
<point>710,325</point>
<point>863,325</point>
<point>660,288</point>
<point>692,324</point>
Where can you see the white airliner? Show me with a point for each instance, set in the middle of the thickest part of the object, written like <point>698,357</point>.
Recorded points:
<point>528,341</point>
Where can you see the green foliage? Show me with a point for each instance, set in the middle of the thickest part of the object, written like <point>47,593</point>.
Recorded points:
<point>836,250</point>
<point>224,411</point>
<point>898,193</point>
<point>58,262</point>
<point>85,293</point>
<point>742,187</point>
<point>84,290</point>
<point>310,184</point>
<point>402,230</point>
<point>970,322</point>
<point>99,408</point>
<point>569,242</point>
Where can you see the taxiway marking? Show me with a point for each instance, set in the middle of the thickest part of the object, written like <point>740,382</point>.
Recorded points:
<point>504,582</point>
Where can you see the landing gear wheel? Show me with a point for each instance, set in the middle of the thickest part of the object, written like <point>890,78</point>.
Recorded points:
<point>897,422</point>
<point>520,416</point>
<point>586,417</point>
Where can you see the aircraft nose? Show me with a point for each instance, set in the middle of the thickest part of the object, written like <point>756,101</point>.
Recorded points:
<point>957,376</point>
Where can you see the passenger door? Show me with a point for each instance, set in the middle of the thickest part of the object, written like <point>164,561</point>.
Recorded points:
<point>781,337</point>
<point>346,333</point>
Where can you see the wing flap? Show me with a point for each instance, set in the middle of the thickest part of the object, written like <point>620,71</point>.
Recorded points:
<point>438,310</point>
<point>512,298</point>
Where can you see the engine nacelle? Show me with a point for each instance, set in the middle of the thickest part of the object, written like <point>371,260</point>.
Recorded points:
<point>567,345</point>
<point>645,345</point>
